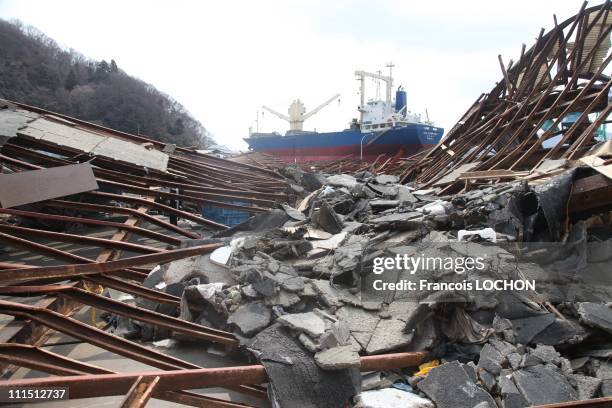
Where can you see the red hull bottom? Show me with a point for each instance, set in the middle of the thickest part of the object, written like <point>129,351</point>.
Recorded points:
<point>319,154</point>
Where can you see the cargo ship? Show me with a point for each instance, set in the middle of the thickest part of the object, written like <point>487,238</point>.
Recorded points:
<point>385,127</point>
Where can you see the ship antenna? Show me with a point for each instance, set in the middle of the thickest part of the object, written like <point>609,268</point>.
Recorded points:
<point>390,65</point>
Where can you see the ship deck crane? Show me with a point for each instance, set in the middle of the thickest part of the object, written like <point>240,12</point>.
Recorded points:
<point>297,113</point>
<point>361,76</point>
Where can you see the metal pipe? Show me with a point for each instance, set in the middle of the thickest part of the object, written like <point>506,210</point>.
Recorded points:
<point>87,386</point>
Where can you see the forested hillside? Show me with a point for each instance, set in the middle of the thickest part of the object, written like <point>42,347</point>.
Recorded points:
<point>36,71</point>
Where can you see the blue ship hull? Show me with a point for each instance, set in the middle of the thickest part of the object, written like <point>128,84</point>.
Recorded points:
<point>313,146</point>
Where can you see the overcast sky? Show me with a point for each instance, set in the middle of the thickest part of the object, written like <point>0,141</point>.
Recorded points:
<point>224,59</point>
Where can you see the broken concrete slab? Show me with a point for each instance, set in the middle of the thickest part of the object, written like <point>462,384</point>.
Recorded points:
<point>505,348</point>
<point>587,387</point>
<point>251,318</point>
<point>337,358</point>
<point>560,332</point>
<point>327,219</point>
<point>388,335</point>
<point>309,323</point>
<point>491,359</point>
<point>405,196</point>
<point>327,294</point>
<point>596,315</point>
<point>264,283</point>
<point>449,386</point>
<point>337,335</point>
<point>387,191</point>
<point>526,329</point>
<point>283,299</point>
<point>361,323</point>
<point>543,385</point>
<point>309,343</point>
<point>295,378</point>
<point>342,180</point>
<point>515,360</point>
<point>511,396</point>
<point>604,372</point>
<point>546,354</point>
<point>293,213</point>
<point>386,179</point>
<point>487,379</point>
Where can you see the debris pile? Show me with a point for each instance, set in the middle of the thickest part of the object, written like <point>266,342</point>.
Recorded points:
<point>548,106</point>
<point>303,279</point>
<point>475,274</point>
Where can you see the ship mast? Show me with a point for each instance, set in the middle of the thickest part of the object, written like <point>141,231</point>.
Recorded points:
<point>361,75</point>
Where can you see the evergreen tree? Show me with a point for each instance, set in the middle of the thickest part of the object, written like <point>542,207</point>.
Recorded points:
<point>102,71</point>
<point>71,80</point>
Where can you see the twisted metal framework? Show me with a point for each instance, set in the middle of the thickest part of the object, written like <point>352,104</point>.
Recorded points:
<point>505,130</point>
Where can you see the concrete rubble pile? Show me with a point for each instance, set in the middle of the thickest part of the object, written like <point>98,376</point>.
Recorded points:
<point>297,293</point>
<point>356,284</point>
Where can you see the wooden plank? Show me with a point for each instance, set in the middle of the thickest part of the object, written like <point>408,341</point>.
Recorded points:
<point>591,192</point>
<point>491,174</point>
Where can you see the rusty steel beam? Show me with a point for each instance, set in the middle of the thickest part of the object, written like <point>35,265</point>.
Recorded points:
<point>106,341</point>
<point>41,248</point>
<point>78,239</point>
<point>147,192</point>
<point>67,271</point>
<point>59,254</point>
<point>228,164</point>
<point>142,139</point>
<point>93,335</point>
<point>86,221</point>
<point>108,209</point>
<point>194,199</point>
<point>133,289</point>
<point>158,206</point>
<point>590,403</point>
<point>39,359</point>
<point>86,386</point>
<point>174,324</point>
<point>140,393</point>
